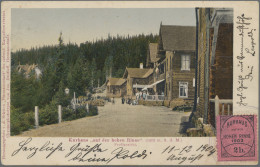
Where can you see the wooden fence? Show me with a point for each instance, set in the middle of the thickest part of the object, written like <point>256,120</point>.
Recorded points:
<point>154,97</point>
<point>222,102</point>
<point>36,114</point>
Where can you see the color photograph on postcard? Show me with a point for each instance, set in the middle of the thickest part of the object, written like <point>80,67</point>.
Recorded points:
<point>120,72</point>
<point>129,83</point>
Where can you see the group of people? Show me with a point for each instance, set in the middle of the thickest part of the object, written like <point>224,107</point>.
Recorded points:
<point>128,101</point>
<point>141,95</point>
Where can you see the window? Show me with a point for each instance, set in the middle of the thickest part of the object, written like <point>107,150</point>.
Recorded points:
<point>183,89</point>
<point>193,82</point>
<point>185,62</point>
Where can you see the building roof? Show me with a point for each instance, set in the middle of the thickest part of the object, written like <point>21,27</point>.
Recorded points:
<point>138,73</point>
<point>153,52</point>
<point>26,68</point>
<point>116,81</point>
<point>178,37</point>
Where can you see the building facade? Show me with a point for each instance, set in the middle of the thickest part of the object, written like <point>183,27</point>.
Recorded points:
<point>177,47</point>
<point>137,79</point>
<point>152,59</point>
<point>215,60</point>
<point>116,87</point>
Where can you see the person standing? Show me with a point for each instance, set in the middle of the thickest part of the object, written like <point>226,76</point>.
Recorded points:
<point>144,95</point>
<point>137,95</point>
<point>113,100</point>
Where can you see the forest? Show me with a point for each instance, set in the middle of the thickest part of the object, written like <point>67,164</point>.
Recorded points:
<point>77,67</point>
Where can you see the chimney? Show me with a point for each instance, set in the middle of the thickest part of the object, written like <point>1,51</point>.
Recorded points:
<point>141,66</point>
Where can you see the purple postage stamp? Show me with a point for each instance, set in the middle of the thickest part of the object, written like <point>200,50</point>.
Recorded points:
<point>237,138</point>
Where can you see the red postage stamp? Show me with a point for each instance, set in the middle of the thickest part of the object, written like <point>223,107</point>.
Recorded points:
<point>237,138</point>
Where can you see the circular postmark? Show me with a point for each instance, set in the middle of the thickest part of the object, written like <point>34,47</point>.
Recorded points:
<point>237,136</point>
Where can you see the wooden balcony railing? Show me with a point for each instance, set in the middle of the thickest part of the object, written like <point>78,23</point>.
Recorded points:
<point>154,97</point>
<point>217,102</point>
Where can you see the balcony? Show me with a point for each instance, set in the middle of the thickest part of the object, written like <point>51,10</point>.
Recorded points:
<point>154,98</point>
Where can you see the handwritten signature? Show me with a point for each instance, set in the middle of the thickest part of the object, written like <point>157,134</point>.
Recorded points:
<point>251,51</point>
<point>79,152</point>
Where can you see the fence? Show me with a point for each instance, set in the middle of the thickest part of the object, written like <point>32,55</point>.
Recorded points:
<point>219,107</point>
<point>154,97</point>
<point>36,114</point>
<point>218,101</point>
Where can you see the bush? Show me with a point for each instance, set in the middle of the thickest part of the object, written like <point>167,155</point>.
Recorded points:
<point>93,110</point>
<point>49,114</point>
<point>97,102</point>
<point>70,114</point>
<point>20,121</point>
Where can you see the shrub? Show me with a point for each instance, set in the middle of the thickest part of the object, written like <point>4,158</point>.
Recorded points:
<point>68,114</point>
<point>93,110</point>
<point>20,121</point>
<point>81,112</point>
<point>49,114</point>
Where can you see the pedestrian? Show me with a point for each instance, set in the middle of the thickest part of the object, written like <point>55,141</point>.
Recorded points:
<point>137,95</point>
<point>144,95</point>
<point>123,100</point>
<point>130,101</point>
<point>113,100</point>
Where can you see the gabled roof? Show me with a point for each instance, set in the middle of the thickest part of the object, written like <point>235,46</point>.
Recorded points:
<point>153,52</point>
<point>137,72</point>
<point>26,68</point>
<point>116,81</point>
<point>178,37</point>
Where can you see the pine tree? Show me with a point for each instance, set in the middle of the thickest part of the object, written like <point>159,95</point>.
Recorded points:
<point>59,65</point>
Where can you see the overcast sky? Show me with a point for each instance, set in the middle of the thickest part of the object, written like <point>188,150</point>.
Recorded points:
<point>38,27</point>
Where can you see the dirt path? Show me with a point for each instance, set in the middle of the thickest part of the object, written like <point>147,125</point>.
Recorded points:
<point>120,120</point>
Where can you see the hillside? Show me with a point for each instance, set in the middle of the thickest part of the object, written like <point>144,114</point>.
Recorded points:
<point>78,67</point>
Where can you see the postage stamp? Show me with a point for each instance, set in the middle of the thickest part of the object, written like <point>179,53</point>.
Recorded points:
<point>237,138</point>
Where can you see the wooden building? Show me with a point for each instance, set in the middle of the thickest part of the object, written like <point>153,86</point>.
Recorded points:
<point>137,79</point>
<point>152,58</point>
<point>176,48</point>
<point>158,66</point>
<point>116,87</point>
<point>214,75</point>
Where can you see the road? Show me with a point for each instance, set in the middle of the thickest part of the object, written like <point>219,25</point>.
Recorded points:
<point>120,120</point>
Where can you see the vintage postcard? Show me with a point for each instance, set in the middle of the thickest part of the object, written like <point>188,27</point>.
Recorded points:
<point>129,83</point>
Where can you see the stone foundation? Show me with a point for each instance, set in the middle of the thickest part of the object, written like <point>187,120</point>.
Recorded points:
<point>201,129</point>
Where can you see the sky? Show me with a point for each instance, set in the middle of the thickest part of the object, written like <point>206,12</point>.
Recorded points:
<point>33,27</point>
